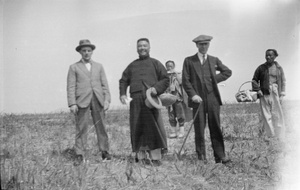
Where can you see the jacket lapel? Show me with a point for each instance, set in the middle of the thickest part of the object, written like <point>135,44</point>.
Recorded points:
<point>196,65</point>
<point>212,70</point>
<point>211,66</point>
<point>84,69</point>
<point>93,70</point>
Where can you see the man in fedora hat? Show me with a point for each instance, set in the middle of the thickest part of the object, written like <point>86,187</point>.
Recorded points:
<point>88,91</point>
<point>147,132</point>
<point>200,82</point>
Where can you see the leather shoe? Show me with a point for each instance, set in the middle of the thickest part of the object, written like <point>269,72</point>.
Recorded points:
<point>202,158</point>
<point>78,160</point>
<point>106,155</point>
<point>145,161</point>
<point>224,160</point>
<point>136,159</point>
<point>156,162</point>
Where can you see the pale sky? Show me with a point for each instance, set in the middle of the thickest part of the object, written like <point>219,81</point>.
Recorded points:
<point>40,36</point>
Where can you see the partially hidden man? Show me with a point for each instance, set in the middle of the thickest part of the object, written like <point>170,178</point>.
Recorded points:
<point>200,83</point>
<point>176,111</point>
<point>148,136</point>
<point>88,93</point>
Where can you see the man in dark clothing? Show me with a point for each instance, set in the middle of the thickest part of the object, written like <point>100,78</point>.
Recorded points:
<point>147,132</point>
<point>200,83</point>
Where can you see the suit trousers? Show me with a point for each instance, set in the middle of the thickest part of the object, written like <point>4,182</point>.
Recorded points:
<point>210,109</point>
<point>82,119</point>
<point>176,114</point>
<point>272,113</point>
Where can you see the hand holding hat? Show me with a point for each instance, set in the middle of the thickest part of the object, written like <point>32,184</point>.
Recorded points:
<point>152,100</point>
<point>153,91</point>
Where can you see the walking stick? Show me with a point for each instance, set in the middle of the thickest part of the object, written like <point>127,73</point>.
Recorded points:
<point>178,154</point>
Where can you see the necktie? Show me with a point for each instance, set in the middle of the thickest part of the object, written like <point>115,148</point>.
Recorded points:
<point>203,60</point>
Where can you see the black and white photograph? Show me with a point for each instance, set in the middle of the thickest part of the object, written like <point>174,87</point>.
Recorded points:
<point>149,94</point>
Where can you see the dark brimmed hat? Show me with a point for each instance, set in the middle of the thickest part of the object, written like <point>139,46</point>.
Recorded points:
<point>152,101</point>
<point>203,39</point>
<point>85,43</point>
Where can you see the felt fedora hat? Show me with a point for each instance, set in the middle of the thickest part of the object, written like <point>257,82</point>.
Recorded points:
<point>152,101</point>
<point>85,43</point>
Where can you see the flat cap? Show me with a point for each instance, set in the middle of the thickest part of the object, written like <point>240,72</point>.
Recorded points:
<point>203,39</point>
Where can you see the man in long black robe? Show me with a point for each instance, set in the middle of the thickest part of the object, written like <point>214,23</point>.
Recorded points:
<point>147,131</point>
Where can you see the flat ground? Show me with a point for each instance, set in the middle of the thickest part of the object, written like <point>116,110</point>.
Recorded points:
<point>32,155</point>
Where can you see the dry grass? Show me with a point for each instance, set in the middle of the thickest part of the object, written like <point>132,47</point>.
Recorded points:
<point>32,147</point>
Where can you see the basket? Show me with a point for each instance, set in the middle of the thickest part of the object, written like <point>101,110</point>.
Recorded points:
<point>246,95</point>
<point>167,99</point>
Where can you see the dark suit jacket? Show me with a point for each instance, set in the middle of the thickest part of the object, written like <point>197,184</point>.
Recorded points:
<point>81,84</point>
<point>191,79</point>
<point>260,80</point>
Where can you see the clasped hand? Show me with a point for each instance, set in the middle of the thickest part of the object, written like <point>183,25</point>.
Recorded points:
<point>197,99</point>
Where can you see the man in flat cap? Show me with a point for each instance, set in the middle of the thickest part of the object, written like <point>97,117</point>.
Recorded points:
<point>200,82</point>
<point>148,136</point>
<point>87,90</point>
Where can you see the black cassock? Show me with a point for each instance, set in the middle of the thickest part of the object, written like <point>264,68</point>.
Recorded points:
<point>147,130</point>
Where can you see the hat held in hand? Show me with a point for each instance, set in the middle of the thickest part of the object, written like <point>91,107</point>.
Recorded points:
<point>152,101</point>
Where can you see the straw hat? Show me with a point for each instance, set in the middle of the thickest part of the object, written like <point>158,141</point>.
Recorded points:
<point>152,101</point>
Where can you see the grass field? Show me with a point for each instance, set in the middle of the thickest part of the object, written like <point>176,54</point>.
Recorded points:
<point>32,147</point>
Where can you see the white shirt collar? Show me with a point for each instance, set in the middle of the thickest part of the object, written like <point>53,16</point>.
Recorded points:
<point>88,65</point>
<point>200,56</point>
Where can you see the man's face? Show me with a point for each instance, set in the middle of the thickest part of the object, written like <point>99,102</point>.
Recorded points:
<point>143,48</point>
<point>203,47</point>
<point>270,56</point>
<point>86,53</point>
<point>170,66</point>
